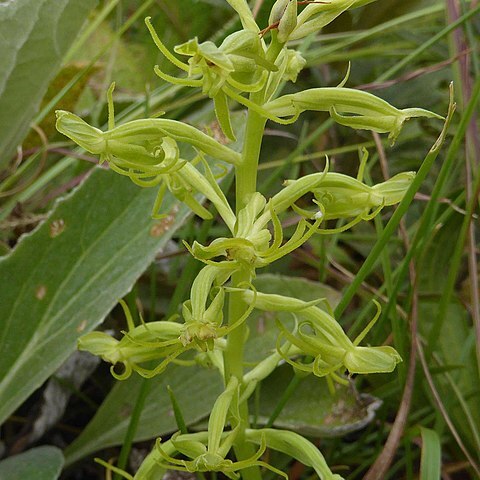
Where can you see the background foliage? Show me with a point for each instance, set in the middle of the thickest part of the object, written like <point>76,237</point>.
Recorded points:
<point>75,238</point>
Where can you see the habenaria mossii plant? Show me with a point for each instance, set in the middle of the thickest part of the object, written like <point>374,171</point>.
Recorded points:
<point>248,68</point>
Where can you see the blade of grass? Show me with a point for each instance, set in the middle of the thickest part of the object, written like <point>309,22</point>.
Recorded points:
<point>51,105</point>
<point>431,209</point>
<point>455,264</point>
<point>458,41</point>
<point>177,411</point>
<point>425,46</point>
<point>380,29</point>
<point>383,462</point>
<point>441,407</point>
<point>463,404</point>
<point>92,26</point>
<point>430,461</point>
<point>396,217</point>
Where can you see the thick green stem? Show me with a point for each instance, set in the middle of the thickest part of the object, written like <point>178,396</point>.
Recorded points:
<point>246,172</point>
<point>246,184</point>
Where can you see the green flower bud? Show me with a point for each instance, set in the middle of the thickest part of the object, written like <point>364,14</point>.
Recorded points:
<point>277,11</point>
<point>317,15</point>
<point>284,15</point>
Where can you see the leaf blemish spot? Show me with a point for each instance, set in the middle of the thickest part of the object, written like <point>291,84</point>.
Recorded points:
<point>40,292</point>
<point>57,227</point>
<point>160,228</point>
<point>81,326</point>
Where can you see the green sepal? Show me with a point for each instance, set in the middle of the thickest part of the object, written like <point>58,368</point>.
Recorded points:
<point>222,112</point>
<point>245,14</point>
<point>295,446</point>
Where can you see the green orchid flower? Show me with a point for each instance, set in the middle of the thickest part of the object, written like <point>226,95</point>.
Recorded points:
<point>146,151</point>
<point>252,247</point>
<point>204,317</point>
<point>140,344</point>
<point>353,108</point>
<point>206,451</point>
<point>317,15</point>
<point>340,196</point>
<point>239,63</point>
<point>318,335</point>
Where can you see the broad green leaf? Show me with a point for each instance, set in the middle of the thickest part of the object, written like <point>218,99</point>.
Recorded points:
<point>42,463</point>
<point>195,390</point>
<point>62,280</point>
<point>35,35</point>
<point>313,410</point>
